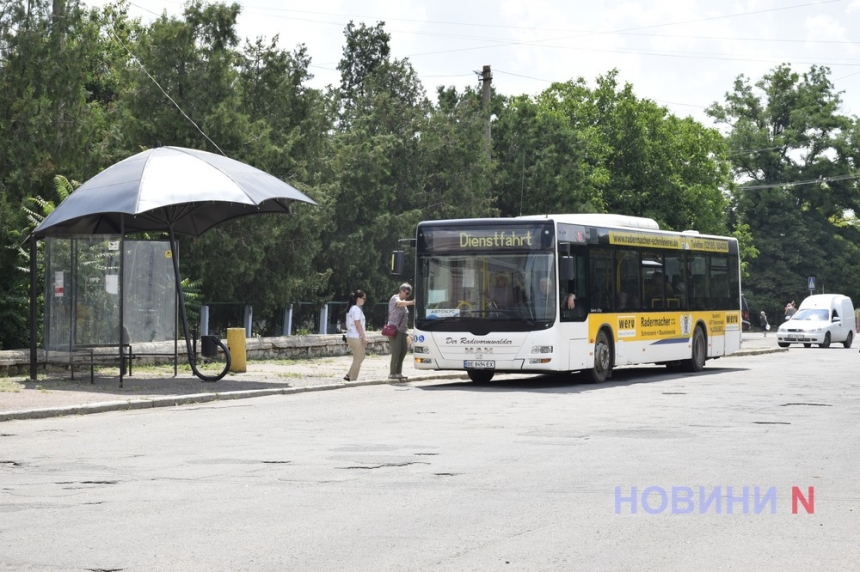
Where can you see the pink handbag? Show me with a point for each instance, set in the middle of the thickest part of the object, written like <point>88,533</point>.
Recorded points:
<point>389,330</point>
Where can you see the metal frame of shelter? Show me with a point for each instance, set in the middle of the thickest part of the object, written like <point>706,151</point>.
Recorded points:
<point>121,326</point>
<point>83,295</point>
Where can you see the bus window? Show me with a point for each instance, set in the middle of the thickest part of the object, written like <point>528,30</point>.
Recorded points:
<point>655,286</point>
<point>627,295</point>
<point>574,294</point>
<point>719,283</point>
<point>674,266</point>
<point>600,280</point>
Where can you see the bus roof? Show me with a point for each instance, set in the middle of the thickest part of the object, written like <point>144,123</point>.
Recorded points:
<point>585,219</point>
<point>594,219</point>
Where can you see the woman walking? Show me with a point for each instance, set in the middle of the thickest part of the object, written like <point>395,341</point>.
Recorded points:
<point>356,334</point>
<point>765,325</point>
<point>398,314</point>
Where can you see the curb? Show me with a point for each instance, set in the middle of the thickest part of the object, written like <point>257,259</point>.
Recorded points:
<point>151,403</point>
<point>191,399</point>
<point>756,352</point>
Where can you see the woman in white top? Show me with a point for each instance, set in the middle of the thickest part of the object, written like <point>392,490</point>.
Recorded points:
<point>356,333</point>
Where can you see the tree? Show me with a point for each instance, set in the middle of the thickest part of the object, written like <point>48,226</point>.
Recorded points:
<point>365,51</point>
<point>48,120</point>
<point>181,88</point>
<point>194,88</point>
<point>286,135</point>
<point>576,149</point>
<point>396,160</point>
<point>795,157</point>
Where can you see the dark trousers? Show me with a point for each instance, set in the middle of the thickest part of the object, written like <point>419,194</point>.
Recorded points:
<point>399,347</point>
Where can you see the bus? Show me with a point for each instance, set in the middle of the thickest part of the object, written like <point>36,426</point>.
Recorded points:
<point>571,293</point>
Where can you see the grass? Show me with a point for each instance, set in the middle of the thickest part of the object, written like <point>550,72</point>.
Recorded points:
<point>9,385</point>
<point>291,375</point>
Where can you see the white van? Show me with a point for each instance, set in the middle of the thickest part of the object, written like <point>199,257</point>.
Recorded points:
<point>820,319</point>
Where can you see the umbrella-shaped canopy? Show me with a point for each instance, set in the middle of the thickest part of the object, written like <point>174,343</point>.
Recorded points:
<point>169,189</point>
<point>186,190</point>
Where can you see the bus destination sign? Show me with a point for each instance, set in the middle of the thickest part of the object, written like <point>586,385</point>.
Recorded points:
<point>520,237</point>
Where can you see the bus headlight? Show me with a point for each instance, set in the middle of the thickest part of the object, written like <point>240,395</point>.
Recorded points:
<point>421,350</point>
<point>542,349</point>
<point>425,360</point>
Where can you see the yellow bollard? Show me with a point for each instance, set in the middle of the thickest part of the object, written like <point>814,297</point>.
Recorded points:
<point>236,345</point>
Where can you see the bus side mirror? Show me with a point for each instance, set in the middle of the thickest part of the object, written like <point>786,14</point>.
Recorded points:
<point>566,269</point>
<point>397,258</point>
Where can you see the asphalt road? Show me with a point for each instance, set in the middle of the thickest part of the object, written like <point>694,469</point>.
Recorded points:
<point>534,474</point>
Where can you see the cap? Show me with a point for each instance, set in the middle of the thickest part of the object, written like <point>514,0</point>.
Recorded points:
<point>406,286</point>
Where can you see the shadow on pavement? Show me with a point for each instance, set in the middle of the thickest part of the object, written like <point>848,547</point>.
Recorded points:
<point>577,382</point>
<point>134,386</point>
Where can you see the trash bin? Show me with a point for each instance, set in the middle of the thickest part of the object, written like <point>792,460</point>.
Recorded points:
<point>236,345</point>
<point>208,346</point>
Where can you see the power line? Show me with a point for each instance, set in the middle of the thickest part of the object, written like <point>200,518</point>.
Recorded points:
<point>737,39</point>
<point>533,28</point>
<point>690,55</point>
<point>747,151</point>
<point>185,115</point>
<point>523,76</point>
<point>799,183</point>
<point>584,34</point>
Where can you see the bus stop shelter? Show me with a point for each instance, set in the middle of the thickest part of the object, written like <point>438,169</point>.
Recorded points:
<point>169,190</point>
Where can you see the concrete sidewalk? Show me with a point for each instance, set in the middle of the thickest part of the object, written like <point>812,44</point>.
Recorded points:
<point>58,395</point>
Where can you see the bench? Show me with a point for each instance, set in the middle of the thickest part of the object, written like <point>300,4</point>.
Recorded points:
<point>88,355</point>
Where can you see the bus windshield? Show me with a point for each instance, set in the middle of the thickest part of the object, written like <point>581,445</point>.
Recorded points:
<point>513,290</point>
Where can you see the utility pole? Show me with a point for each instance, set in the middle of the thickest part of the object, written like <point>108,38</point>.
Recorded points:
<point>487,80</point>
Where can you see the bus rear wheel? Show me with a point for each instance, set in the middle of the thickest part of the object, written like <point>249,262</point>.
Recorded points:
<point>602,359</point>
<point>699,353</point>
<point>480,375</point>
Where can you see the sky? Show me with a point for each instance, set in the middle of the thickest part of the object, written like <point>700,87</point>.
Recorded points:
<point>682,54</point>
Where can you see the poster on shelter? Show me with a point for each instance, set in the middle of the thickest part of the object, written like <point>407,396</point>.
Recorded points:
<point>112,283</point>
<point>59,288</point>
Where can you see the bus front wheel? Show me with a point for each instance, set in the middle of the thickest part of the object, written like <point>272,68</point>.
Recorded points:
<point>699,353</point>
<point>602,359</point>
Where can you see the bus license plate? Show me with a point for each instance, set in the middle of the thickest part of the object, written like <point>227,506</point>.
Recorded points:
<point>472,364</point>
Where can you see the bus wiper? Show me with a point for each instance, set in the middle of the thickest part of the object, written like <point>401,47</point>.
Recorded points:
<point>502,312</point>
<point>430,323</point>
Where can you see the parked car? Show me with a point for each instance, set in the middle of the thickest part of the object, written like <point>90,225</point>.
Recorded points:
<point>821,319</point>
<point>745,315</point>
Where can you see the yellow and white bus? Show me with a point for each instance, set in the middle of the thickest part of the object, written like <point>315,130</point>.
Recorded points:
<point>571,292</point>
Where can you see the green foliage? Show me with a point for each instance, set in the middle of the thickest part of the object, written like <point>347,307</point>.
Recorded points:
<point>575,149</point>
<point>793,150</point>
<point>747,248</point>
<point>82,89</point>
<point>395,160</point>
<point>366,50</point>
